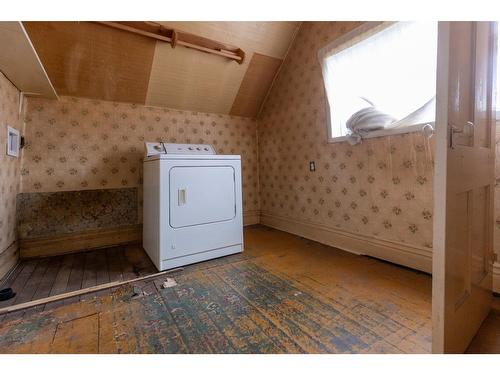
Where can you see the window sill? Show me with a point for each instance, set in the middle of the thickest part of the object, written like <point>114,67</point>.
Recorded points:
<point>386,132</point>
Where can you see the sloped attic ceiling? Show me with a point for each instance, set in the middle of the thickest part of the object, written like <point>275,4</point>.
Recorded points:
<point>92,60</point>
<point>19,62</point>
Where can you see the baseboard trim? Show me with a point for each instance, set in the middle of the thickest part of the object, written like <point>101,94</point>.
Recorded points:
<point>8,260</point>
<point>419,258</point>
<point>76,242</point>
<point>251,217</point>
<point>94,239</point>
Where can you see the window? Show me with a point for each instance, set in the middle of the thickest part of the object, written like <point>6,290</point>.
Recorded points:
<point>385,75</point>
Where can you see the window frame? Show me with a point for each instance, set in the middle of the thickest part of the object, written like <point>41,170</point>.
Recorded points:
<point>347,40</point>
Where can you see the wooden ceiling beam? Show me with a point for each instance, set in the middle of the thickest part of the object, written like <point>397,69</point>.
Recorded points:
<point>179,38</point>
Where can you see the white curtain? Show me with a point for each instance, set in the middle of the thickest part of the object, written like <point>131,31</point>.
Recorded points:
<point>395,69</point>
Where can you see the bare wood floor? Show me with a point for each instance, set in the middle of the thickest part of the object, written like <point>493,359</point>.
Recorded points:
<point>43,277</point>
<point>283,295</point>
<point>487,340</point>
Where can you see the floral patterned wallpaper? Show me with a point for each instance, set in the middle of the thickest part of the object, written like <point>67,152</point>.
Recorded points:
<point>9,166</point>
<point>381,188</point>
<point>79,144</point>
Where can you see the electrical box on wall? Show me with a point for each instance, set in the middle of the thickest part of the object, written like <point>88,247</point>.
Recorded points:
<point>13,142</point>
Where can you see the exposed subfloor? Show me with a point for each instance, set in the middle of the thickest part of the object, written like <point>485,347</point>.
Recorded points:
<point>43,277</point>
<point>283,295</point>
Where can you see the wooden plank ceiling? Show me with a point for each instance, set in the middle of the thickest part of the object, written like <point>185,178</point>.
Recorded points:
<point>86,59</point>
<point>19,62</point>
<point>94,61</point>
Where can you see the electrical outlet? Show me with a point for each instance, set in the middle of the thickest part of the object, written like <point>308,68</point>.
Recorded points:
<point>13,142</point>
<point>312,166</point>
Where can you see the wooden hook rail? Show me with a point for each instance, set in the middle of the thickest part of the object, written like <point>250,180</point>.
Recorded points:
<point>179,38</point>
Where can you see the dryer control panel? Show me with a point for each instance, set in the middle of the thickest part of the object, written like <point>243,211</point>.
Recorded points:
<point>156,148</point>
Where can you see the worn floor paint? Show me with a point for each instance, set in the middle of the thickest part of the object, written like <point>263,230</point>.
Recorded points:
<point>283,295</point>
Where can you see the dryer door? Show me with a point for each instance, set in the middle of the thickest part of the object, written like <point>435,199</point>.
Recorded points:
<point>201,195</point>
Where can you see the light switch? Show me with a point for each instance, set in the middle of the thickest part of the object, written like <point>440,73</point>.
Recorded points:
<point>312,166</point>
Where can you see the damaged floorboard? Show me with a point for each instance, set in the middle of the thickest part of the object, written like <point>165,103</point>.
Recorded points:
<point>283,295</point>
<point>38,278</point>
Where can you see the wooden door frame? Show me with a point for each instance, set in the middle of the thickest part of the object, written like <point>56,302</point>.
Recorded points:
<point>440,187</point>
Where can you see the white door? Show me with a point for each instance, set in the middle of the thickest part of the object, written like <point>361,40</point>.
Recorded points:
<point>464,183</point>
<point>201,195</point>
